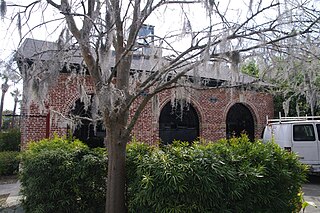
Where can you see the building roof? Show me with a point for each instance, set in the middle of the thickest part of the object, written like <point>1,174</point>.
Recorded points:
<point>44,50</point>
<point>34,49</point>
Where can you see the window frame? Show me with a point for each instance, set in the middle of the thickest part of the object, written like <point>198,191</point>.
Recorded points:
<point>306,136</point>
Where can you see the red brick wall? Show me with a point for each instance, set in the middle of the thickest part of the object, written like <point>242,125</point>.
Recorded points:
<point>212,116</point>
<point>61,99</point>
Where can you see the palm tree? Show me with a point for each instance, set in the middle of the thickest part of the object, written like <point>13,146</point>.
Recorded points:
<point>4,88</point>
<point>15,94</point>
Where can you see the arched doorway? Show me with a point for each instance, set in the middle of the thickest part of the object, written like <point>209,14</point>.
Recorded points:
<point>240,120</point>
<point>85,130</point>
<point>177,125</point>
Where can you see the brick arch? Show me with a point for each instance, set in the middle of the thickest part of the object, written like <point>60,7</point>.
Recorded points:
<point>71,101</point>
<point>93,136</point>
<point>194,105</point>
<point>251,109</point>
<point>250,106</point>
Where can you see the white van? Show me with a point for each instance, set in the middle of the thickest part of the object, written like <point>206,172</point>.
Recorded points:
<point>298,134</point>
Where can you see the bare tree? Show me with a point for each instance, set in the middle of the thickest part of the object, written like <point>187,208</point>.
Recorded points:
<point>227,33</point>
<point>294,72</point>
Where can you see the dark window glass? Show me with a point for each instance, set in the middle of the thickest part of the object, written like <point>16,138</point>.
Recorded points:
<point>85,130</point>
<point>318,130</point>
<point>178,125</point>
<point>303,132</point>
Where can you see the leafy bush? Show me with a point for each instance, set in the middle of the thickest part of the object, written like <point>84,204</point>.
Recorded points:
<point>62,175</point>
<point>9,163</point>
<point>279,173</point>
<point>10,140</point>
<point>229,176</point>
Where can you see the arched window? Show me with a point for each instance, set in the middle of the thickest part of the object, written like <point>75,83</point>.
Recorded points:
<point>239,121</point>
<point>177,125</point>
<point>85,130</point>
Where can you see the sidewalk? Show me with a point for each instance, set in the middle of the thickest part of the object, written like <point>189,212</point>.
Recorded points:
<point>12,204</point>
<point>312,194</point>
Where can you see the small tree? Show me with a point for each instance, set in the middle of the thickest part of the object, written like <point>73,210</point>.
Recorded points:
<point>4,89</point>
<point>16,94</point>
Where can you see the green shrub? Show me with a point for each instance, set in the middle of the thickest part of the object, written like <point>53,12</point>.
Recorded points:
<point>275,175</point>
<point>61,175</point>
<point>10,140</point>
<point>229,176</point>
<point>9,163</point>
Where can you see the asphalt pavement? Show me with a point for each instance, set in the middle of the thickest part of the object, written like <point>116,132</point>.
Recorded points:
<point>13,201</point>
<point>311,192</point>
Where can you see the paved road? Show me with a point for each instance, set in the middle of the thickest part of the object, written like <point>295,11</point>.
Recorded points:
<point>311,192</point>
<point>13,201</point>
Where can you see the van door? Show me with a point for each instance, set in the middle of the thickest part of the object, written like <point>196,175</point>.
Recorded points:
<point>305,143</point>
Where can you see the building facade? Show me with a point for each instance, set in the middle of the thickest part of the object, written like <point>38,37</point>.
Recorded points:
<point>216,113</point>
<point>212,114</point>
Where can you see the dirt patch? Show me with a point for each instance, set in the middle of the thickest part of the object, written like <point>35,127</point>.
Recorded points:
<point>8,179</point>
<point>3,199</point>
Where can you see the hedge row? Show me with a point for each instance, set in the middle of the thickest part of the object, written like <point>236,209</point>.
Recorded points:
<point>9,163</point>
<point>228,176</point>
<point>61,175</point>
<point>9,150</point>
<point>10,140</point>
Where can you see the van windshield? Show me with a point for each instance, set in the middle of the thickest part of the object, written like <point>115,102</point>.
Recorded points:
<point>303,132</point>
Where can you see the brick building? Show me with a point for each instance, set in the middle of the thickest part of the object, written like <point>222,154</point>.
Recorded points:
<point>212,114</point>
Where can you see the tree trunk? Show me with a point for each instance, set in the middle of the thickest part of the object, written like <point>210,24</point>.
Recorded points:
<point>1,108</point>
<point>14,113</point>
<point>116,144</point>
<point>4,88</point>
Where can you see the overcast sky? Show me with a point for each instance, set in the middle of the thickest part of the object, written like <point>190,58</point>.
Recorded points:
<point>171,21</point>
<point>9,36</point>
